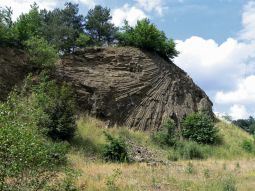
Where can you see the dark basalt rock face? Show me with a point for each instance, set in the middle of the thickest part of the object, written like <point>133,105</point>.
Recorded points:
<point>13,69</point>
<point>127,86</point>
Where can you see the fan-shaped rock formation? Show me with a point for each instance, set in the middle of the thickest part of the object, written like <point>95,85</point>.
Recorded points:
<point>127,86</point>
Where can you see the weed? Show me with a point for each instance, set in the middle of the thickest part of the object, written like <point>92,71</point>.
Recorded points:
<point>247,146</point>
<point>111,180</point>
<point>190,168</point>
<point>229,184</point>
<point>207,173</point>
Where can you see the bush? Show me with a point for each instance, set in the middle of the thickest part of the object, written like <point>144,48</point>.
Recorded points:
<point>24,151</point>
<point>146,36</point>
<point>247,146</point>
<point>57,107</point>
<point>200,128</point>
<point>116,150</point>
<point>167,135</point>
<point>190,150</point>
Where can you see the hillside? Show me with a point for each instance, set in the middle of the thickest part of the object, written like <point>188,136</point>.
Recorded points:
<point>226,166</point>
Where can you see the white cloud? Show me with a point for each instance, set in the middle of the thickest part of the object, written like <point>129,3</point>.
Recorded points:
<point>88,3</point>
<point>215,66</point>
<point>23,6</point>
<point>131,14</point>
<point>248,32</point>
<point>152,5</point>
<point>243,94</point>
<point>238,112</point>
<point>226,71</point>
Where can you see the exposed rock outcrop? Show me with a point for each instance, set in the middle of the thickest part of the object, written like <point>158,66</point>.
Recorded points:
<point>13,69</point>
<point>127,86</point>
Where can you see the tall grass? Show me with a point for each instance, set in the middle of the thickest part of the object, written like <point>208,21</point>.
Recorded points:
<point>227,166</point>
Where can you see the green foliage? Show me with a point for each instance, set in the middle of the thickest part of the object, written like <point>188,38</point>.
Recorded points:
<point>29,24</point>
<point>190,168</point>
<point>116,150</point>
<point>145,35</point>
<point>23,149</point>
<point>111,180</point>
<point>246,124</point>
<point>62,27</point>
<point>167,136</point>
<point>229,184</point>
<point>83,40</point>
<point>7,35</point>
<point>98,25</point>
<point>189,150</point>
<point>247,145</point>
<point>57,109</point>
<point>42,55</point>
<point>200,128</point>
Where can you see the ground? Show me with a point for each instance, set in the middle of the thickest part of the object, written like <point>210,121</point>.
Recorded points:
<point>227,167</point>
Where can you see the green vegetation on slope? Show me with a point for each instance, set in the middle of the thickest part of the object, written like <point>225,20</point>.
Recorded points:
<point>227,166</point>
<point>91,139</point>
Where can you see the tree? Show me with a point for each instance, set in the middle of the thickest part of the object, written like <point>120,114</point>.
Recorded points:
<point>146,36</point>
<point>57,107</point>
<point>6,26</point>
<point>246,124</point>
<point>6,17</point>
<point>29,25</point>
<point>42,54</point>
<point>83,40</point>
<point>63,27</point>
<point>98,25</point>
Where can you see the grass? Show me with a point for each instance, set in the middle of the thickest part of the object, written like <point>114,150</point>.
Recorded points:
<point>228,166</point>
<point>142,176</point>
<point>90,138</point>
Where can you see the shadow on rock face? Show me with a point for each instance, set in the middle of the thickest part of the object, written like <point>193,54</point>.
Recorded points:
<point>130,87</point>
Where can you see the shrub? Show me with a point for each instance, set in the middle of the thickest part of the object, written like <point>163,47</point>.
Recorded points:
<point>116,150</point>
<point>146,36</point>
<point>200,128</point>
<point>57,107</point>
<point>167,135</point>
<point>190,168</point>
<point>22,147</point>
<point>189,150</point>
<point>247,146</point>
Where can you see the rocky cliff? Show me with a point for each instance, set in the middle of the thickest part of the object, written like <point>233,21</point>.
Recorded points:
<point>13,69</point>
<point>127,86</point>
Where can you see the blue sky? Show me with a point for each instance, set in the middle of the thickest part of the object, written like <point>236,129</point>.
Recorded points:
<point>216,39</point>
